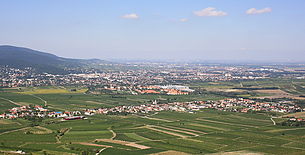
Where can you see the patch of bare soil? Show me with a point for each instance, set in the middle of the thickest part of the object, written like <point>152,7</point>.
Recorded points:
<point>5,122</point>
<point>297,115</point>
<point>238,153</point>
<point>277,93</point>
<point>170,153</point>
<point>132,144</point>
<point>90,144</point>
<point>94,102</point>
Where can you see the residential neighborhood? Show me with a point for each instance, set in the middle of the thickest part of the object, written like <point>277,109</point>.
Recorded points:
<point>232,105</point>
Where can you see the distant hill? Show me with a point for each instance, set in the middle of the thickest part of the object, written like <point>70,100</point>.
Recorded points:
<point>20,57</point>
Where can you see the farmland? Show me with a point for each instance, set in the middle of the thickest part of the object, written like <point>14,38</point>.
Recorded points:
<point>267,88</point>
<point>175,77</point>
<point>207,131</point>
<point>203,132</point>
<point>63,99</point>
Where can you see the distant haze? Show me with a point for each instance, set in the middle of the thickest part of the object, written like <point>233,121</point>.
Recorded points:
<point>235,30</point>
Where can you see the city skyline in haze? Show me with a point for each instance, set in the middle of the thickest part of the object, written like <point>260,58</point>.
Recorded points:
<point>239,30</point>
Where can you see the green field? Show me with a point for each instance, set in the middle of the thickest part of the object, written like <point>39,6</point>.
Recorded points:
<point>274,88</point>
<point>58,98</point>
<point>51,90</point>
<point>204,132</point>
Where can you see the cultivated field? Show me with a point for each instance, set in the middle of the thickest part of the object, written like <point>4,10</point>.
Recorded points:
<point>51,90</point>
<point>267,88</point>
<point>204,132</point>
<point>59,98</point>
<point>164,133</point>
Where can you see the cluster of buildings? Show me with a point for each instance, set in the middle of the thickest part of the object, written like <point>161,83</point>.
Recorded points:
<point>233,105</point>
<point>36,111</point>
<point>142,75</point>
<point>168,89</point>
<point>145,108</point>
<point>147,78</point>
<point>296,119</point>
<point>246,105</point>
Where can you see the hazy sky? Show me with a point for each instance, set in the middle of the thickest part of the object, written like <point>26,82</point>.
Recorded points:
<point>158,29</point>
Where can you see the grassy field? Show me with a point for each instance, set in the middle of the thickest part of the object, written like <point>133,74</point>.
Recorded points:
<point>297,115</point>
<point>280,88</point>
<point>59,98</point>
<point>51,90</point>
<point>204,132</point>
<point>62,98</point>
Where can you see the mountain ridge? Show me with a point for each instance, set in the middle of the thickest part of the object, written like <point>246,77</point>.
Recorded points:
<point>21,57</point>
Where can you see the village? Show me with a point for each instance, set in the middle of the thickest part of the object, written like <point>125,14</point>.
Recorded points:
<point>231,105</point>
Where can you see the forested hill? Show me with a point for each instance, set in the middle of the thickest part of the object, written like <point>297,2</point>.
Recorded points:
<point>20,57</point>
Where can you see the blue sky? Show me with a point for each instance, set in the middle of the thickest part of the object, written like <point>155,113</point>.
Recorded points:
<point>264,30</point>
